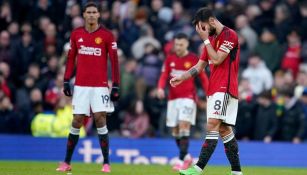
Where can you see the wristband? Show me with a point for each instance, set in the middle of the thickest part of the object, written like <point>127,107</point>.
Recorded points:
<point>207,41</point>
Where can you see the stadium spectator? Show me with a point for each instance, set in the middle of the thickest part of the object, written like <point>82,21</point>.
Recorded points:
<point>5,47</point>
<point>258,74</point>
<point>292,122</point>
<point>246,111</point>
<point>292,57</point>
<point>269,49</point>
<point>266,121</point>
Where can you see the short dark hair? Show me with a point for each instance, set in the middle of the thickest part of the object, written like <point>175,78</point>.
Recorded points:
<point>181,36</point>
<point>90,4</point>
<point>203,14</point>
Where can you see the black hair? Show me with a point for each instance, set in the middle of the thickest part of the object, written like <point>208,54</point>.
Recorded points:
<point>91,4</point>
<point>181,36</point>
<point>203,14</point>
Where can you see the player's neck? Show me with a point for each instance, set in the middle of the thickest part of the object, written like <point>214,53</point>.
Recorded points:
<point>91,27</point>
<point>183,54</point>
<point>219,28</point>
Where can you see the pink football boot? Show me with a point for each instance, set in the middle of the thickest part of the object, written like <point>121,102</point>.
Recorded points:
<point>106,168</point>
<point>63,166</point>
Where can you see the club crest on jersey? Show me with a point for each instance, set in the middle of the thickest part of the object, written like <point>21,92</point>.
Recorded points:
<point>187,65</point>
<point>98,40</point>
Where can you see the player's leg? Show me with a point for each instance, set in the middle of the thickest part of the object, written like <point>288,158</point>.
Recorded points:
<point>228,137</point>
<point>172,122</point>
<point>231,148</point>
<point>101,104</point>
<point>73,136</point>
<point>175,133</point>
<point>184,134</point>
<point>215,106</point>
<point>80,102</point>
<point>72,141</point>
<point>102,130</point>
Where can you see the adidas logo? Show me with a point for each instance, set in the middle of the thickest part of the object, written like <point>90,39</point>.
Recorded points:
<point>80,40</point>
<point>216,113</point>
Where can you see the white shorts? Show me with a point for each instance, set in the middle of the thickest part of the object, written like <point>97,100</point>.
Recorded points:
<point>222,106</point>
<point>96,99</point>
<point>181,109</point>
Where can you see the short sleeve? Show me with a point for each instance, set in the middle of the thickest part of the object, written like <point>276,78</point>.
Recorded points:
<point>229,40</point>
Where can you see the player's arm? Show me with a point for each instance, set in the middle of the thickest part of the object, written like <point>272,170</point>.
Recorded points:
<point>192,72</point>
<point>162,80</point>
<point>70,65</point>
<point>217,57</point>
<point>112,50</point>
<point>204,80</point>
<point>71,59</point>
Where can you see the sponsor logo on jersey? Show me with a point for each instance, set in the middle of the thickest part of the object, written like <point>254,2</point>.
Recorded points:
<point>187,65</point>
<point>98,40</point>
<point>89,51</point>
<point>175,72</point>
<point>80,40</point>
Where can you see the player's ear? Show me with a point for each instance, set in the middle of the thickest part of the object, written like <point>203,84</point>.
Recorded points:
<point>211,21</point>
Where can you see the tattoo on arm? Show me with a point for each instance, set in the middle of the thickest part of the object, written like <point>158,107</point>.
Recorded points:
<point>193,72</point>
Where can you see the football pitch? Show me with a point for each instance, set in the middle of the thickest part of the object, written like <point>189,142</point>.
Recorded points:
<point>48,168</point>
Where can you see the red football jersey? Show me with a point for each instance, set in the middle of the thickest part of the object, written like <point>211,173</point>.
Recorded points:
<point>224,77</point>
<point>174,66</point>
<point>89,52</point>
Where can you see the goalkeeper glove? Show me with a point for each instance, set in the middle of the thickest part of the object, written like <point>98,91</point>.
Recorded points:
<point>115,92</point>
<point>67,89</point>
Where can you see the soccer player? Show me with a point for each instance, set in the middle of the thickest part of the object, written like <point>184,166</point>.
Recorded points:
<point>181,106</point>
<point>222,52</point>
<point>89,49</point>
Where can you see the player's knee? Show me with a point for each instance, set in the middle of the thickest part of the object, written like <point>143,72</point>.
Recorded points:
<point>175,132</point>
<point>77,123</point>
<point>100,120</point>
<point>102,130</point>
<point>225,130</point>
<point>184,132</point>
<point>213,125</point>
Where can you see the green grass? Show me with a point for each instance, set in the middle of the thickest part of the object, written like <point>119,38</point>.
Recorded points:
<point>48,168</point>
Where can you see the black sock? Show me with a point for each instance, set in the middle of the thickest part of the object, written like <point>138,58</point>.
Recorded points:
<point>232,152</point>
<point>71,144</point>
<point>104,145</point>
<point>207,148</point>
<point>183,147</point>
<point>177,139</point>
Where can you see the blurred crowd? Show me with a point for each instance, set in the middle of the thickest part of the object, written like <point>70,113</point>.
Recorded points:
<point>34,40</point>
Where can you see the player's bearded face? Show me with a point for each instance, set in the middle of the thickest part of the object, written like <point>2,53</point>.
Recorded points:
<point>212,30</point>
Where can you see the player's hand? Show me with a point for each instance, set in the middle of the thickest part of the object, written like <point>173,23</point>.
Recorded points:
<point>203,33</point>
<point>176,81</point>
<point>160,93</point>
<point>67,89</point>
<point>115,92</point>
